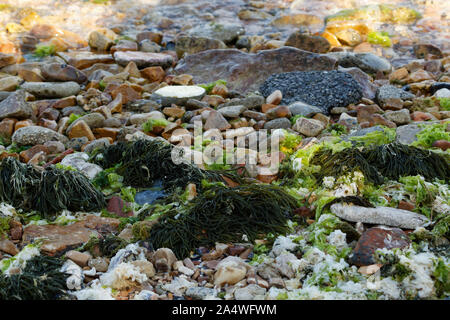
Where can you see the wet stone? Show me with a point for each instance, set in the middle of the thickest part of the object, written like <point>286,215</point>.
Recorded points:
<point>306,42</point>
<point>15,106</point>
<point>52,89</point>
<point>62,72</point>
<point>143,59</point>
<point>245,72</point>
<point>386,92</point>
<point>377,238</point>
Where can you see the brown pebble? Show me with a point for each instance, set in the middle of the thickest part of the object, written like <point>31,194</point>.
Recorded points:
<point>441,144</point>
<point>275,97</point>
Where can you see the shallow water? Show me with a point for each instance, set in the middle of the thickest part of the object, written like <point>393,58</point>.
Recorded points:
<point>82,17</point>
<point>151,195</point>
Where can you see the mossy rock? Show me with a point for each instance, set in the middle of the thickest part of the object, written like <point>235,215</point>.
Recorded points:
<point>141,230</point>
<point>377,13</point>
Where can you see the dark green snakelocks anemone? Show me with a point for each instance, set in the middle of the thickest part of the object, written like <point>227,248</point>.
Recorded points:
<point>48,191</point>
<point>41,279</point>
<point>392,161</point>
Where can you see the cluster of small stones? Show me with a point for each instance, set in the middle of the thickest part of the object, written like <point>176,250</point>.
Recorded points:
<point>115,84</point>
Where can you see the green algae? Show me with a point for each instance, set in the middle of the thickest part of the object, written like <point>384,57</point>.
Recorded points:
<point>209,86</point>
<point>41,279</point>
<point>430,134</point>
<point>444,103</point>
<point>44,51</point>
<point>4,227</point>
<point>221,214</point>
<point>377,163</point>
<point>105,246</point>
<point>49,191</point>
<point>290,142</point>
<point>380,38</point>
<point>73,117</point>
<point>144,162</point>
<point>151,123</point>
<point>442,279</point>
<point>379,13</point>
<point>377,137</point>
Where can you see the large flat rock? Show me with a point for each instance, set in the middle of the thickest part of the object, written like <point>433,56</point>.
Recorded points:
<point>380,215</point>
<point>59,239</point>
<point>245,72</point>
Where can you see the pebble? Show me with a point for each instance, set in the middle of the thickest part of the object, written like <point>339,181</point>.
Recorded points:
<point>232,111</point>
<point>52,89</point>
<point>303,109</point>
<point>200,293</point>
<point>33,135</point>
<point>100,264</point>
<point>15,106</point>
<point>143,59</point>
<point>163,259</point>
<point>62,72</point>
<point>308,127</point>
<point>230,271</point>
<point>367,62</point>
<point>79,258</point>
<point>178,95</point>
<point>398,117</point>
<point>250,292</point>
<point>9,83</point>
<point>306,42</point>
<point>246,72</point>
<point>386,92</point>
<point>377,238</point>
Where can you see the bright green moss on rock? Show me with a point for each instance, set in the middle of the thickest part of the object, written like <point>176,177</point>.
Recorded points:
<point>379,13</point>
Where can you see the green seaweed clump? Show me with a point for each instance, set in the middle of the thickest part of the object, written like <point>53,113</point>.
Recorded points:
<point>290,142</point>
<point>430,134</point>
<point>381,38</point>
<point>347,160</point>
<point>393,160</point>
<point>336,129</point>
<point>381,13</point>
<point>424,192</point>
<point>73,117</point>
<point>4,227</point>
<point>377,137</point>
<point>318,233</point>
<point>148,126</point>
<point>393,268</point>
<point>100,1</point>
<point>209,86</point>
<point>61,189</point>
<point>49,191</point>
<point>41,279</point>
<point>444,103</point>
<point>44,51</point>
<point>442,227</point>
<point>105,246</point>
<point>442,279</point>
<point>221,214</point>
<point>143,162</point>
